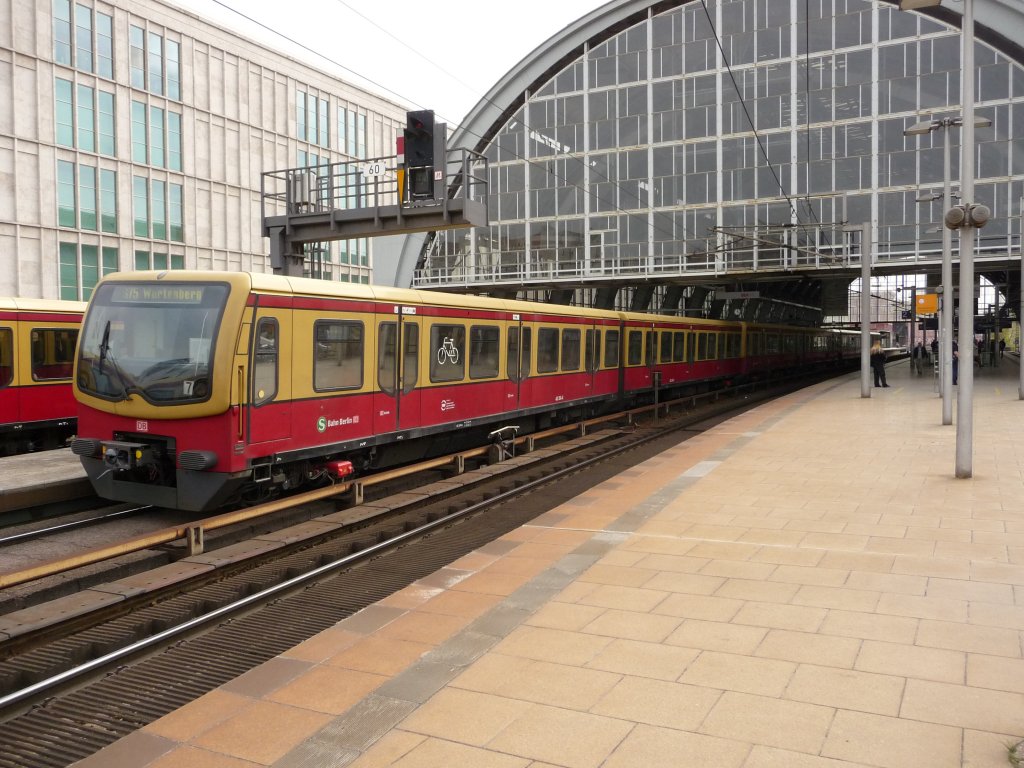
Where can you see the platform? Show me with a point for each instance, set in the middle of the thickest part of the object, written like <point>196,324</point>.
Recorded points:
<point>30,479</point>
<point>804,586</point>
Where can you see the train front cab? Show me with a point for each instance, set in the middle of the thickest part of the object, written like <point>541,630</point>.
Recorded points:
<point>159,376</point>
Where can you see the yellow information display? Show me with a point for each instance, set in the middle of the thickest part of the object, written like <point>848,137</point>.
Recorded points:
<point>927,303</point>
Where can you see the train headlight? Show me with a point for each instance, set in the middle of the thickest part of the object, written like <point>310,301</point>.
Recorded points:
<point>120,456</point>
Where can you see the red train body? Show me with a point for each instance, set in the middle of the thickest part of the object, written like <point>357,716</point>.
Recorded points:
<point>37,349</point>
<point>198,389</point>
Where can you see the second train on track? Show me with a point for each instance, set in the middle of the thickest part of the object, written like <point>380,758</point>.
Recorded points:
<point>200,389</point>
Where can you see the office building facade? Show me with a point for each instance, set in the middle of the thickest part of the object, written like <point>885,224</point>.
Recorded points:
<point>133,135</point>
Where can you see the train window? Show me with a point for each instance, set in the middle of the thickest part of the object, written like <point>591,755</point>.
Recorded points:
<point>611,349</point>
<point>547,350</point>
<point>635,351</point>
<point>387,335</point>
<point>691,346</point>
<point>649,349</point>
<point>411,361</point>
<point>570,349</point>
<point>484,343</point>
<point>678,347</point>
<point>771,344</point>
<point>53,353</point>
<point>447,352</point>
<point>732,345</point>
<point>665,348</point>
<point>264,361</point>
<point>712,346</point>
<point>338,361</point>
<point>519,366</point>
<point>6,356</point>
<point>702,346</point>
<point>591,346</point>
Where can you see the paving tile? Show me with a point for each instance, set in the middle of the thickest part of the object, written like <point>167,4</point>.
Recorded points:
<point>836,597</point>
<point>323,645</point>
<point>633,626</point>
<point>994,672</point>
<point>769,721</point>
<point>912,661</point>
<point>185,723</point>
<point>762,591</point>
<point>327,689</point>
<point>732,672</point>
<point>794,617</point>
<point>652,747</point>
<point>554,645</point>
<point>809,648</point>
<point>717,636</point>
<point>631,576</point>
<point>738,569</point>
<point>560,737</point>
<point>263,732</point>
<point>818,576</point>
<point>379,655</point>
<point>465,716</point>
<point>439,752</point>
<point>699,607</point>
<point>964,706</point>
<point>626,598</point>
<point>846,689</point>
<point>537,681</point>
<point>426,628</point>
<point>135,749</point>
<point>892,742</point>
<point>931,607</point>
<point>556,615</point>
<point>457,603</point>
<point>657,702</point>
<point>969,637</point>
<point>194,757</point>
<point>870,626</point>
<point>983,748</point>
<point>974,591</point>
<point>772,757</point>
<point>640,659</point>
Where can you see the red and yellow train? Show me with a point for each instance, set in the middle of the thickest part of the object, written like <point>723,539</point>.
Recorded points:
<point>198,389</point>
<point>37,354</point>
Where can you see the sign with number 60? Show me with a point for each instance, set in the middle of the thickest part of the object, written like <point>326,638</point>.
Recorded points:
<point>376,168</point>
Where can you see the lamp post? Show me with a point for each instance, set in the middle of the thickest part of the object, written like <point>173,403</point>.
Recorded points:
<point>946,311</point>
<point>966,217</point>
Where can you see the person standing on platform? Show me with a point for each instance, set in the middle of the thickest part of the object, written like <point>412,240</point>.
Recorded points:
<point>935,347</point>
<point>1002,348</point>
<point>918,356</point>
<point>956,360</point>
<point>878,365</point>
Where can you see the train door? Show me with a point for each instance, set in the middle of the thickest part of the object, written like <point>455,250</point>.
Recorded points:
<point>270,353</point>
<point>591,357</point>
<point>397,398</point>
<point>517,363</point>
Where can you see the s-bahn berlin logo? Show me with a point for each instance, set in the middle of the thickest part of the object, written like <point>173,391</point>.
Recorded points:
<point>323,422</point>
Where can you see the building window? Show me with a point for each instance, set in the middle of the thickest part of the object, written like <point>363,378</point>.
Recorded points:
<point>147,260</point>
<point>91,49</point>
<point>94,207</point>
<point>158,209</point>
<point>81,267</point>
<point>156,140</point>
<point>154,63</point>
<point>311,119</point>
<point>352,132</point>
<point>82,115</point>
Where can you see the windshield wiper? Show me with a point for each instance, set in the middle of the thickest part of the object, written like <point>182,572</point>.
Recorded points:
<point>105,354</point>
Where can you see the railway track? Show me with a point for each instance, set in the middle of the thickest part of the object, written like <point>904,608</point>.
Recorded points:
<point>172,645</point>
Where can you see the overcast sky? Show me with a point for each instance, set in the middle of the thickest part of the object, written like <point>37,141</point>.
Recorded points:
<point>462,47</point>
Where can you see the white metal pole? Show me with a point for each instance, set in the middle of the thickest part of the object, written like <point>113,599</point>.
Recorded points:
<point>946,350</point>
<point>865,310</point>
<point>965,393</point>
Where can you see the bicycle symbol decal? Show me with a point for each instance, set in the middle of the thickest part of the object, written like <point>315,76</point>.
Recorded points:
<point>447,352</point>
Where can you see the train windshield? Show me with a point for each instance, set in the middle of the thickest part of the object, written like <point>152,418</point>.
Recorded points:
<point>152,339</point>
